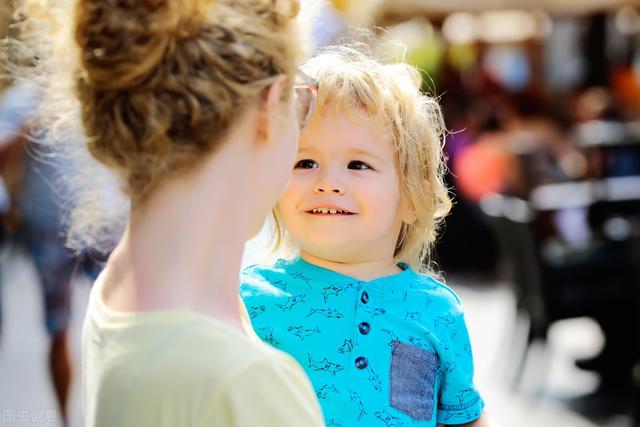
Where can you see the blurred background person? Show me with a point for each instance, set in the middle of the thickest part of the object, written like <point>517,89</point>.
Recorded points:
<point>36,220</point>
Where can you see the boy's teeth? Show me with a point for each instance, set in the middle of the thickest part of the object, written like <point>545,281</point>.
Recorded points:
<point>328,211</point>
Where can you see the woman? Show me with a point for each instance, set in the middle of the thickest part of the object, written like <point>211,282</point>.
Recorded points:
<point>191,103</point>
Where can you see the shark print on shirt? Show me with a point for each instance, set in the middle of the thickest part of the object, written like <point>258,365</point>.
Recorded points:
<point>326,389</point>
<point>291,302</point>
<point>330,290</point>
<point>256,311</point>
<point>328,313</point>
<point>346,346</point>
<point>324,365</point>
<point>303,333</point>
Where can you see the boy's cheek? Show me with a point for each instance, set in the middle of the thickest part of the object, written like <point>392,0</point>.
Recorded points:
<point>287,199</point>
<point>288,193</point>
<point>293,192</point>
<point>287,206</point>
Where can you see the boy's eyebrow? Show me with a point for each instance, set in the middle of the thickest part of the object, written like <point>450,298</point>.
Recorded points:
<point>305,149</point>
<point>352,151</point>
<point>366,153</point>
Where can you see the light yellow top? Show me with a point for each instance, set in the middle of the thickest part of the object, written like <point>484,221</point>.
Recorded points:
<point>180,368</point>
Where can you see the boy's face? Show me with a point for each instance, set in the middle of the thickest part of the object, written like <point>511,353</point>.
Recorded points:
<point>343,200</point>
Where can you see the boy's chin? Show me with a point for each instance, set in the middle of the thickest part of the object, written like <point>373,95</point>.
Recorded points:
<point>335,253</point>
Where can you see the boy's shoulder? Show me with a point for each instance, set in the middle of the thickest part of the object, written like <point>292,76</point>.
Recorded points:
<point>436,290</point>
<point>261,278</point>
<point>278,268</point>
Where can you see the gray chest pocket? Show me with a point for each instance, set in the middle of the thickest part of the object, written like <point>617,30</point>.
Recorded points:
<point>413,378</point>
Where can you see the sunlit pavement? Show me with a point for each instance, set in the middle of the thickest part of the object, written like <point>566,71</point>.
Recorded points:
<point>26,397</point>
<point>549,383</point>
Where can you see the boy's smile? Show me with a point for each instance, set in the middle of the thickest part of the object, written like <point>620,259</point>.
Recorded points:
<point>343,200</point>
<point>329,210</point>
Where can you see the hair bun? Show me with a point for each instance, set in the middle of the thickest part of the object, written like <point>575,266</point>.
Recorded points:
<point>123,41</point>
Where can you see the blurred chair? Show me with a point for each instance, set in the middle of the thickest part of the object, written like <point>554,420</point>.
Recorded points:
<point>636,367</point>
<point>554,281</point>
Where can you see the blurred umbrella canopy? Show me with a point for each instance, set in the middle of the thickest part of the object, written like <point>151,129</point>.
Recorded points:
<point>387,12</point>
<point>435,7</point>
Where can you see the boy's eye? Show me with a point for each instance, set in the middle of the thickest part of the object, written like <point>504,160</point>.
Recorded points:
<point>306,164</point>
<point>358,165</point>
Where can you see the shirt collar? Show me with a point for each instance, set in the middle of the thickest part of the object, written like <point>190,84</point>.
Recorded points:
<point>316,273</point>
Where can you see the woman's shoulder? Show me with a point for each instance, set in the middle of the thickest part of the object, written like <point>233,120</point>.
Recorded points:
<point>227,356</point>
<point>230,369</point>
<point>165,343</point>
<point>276,389</point>
<point>223,351</point>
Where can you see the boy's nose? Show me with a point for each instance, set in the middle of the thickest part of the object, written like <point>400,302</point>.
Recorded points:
<point>321,188</point>
<point>329,180</point>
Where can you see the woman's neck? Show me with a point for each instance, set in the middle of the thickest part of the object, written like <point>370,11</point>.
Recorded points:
<point>365,270</point>
<point>183,248</point>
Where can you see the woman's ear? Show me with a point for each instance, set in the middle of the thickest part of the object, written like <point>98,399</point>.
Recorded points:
<point>269,108</point>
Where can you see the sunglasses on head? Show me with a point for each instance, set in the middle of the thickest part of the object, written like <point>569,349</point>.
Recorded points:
<point>306,90</point>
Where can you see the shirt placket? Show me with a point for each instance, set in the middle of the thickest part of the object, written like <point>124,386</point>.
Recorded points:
<point>362,364</point>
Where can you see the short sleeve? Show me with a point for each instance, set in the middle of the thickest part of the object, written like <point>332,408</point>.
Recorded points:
<point>459,401</point>
<point>272,393</point>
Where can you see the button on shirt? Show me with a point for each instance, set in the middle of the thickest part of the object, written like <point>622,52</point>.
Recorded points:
<point>393,351</point>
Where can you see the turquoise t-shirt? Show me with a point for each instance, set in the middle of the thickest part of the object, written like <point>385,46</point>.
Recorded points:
<point>391,352</point>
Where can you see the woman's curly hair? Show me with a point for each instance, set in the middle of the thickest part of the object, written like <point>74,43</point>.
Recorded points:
<point>161,80</point>
<point>144,88</point>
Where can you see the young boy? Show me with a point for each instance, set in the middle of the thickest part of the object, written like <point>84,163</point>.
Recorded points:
<point>383,342</point>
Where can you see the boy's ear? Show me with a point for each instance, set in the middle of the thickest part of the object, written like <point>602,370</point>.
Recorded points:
<point>408,213</point>
<point>269,108</point>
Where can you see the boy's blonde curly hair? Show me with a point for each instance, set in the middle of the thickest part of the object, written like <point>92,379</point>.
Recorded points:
<point>389,94</point>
